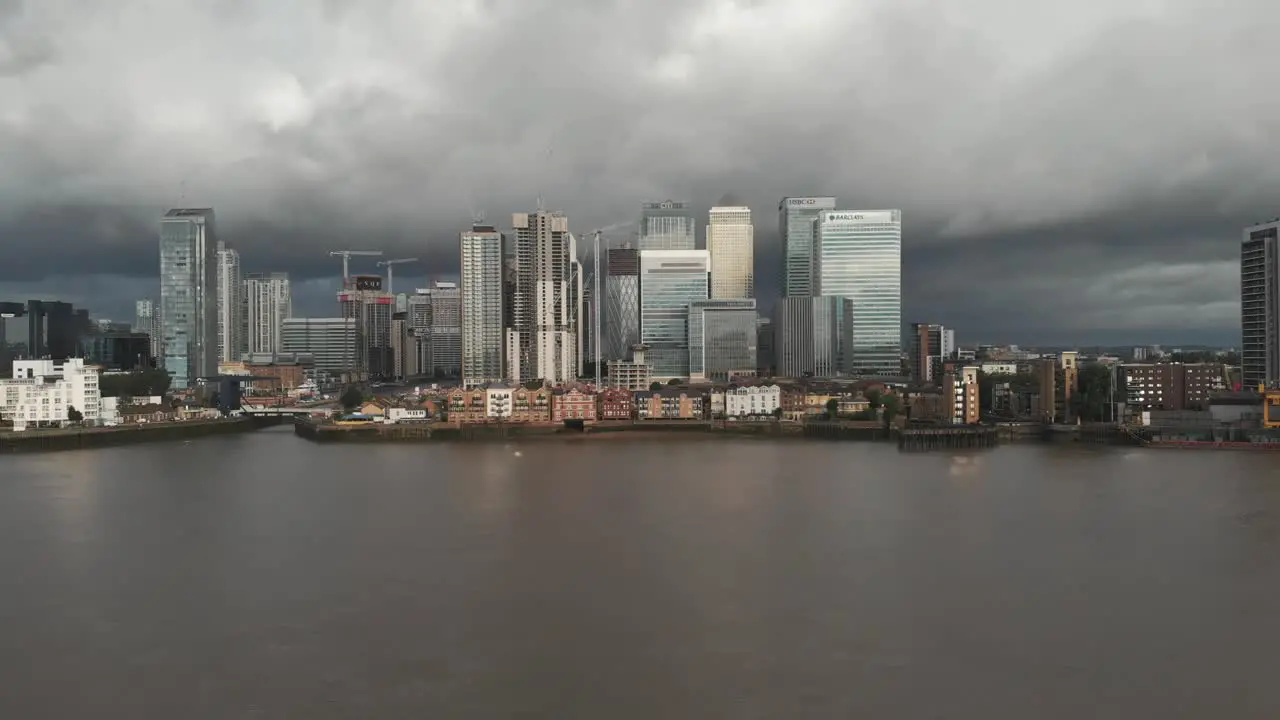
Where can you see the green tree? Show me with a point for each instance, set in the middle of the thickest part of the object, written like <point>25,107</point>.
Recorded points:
<point>673,381</point>
<point>890,403</point>
<point>351,397</point>
<point>74,415</point>
<point>1090,401</point>
<point>873,396</point>
<point>535,384</point>
<point>833,406</point>
<point>777,413</point>
<point>655,386</point>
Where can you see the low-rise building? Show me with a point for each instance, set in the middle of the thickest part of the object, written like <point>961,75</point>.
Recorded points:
<point>572,404</point>
<point>669,403</point>
<point>752,401</point>
<point>1171,386</point>
<point>46,393</point>
<point>531,406</point>
<point>466,405</point>
<point>614,404</point>
<point>960,389</point>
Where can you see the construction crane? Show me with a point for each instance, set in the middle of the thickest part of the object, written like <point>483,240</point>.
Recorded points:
<point>390,266</point>
<point>346,262</point>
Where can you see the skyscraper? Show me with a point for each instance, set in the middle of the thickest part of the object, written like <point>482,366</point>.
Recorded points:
<point>622,302</point>
<point>541,338</point>
<point>435,317</point>
<point>268,302</point>
<point>667,225</point>
<point>188,294</point>
<point>669,281</point>
<point>482,302</point>
<point>795,226</point>
<point>858,255</point>
<point>722,338</point>
<point>1260,305</point>
<point>731,242</point>
<point>230,305</point>
<point>808,335</point>
<point>146,319</point>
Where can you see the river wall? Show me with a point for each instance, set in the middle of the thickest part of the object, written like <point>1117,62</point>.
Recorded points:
<point>77,439</point>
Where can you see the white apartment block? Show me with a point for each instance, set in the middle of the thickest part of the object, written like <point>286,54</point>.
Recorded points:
<point>41,393</point>
<point>757,400</point>
<point>731,242</point>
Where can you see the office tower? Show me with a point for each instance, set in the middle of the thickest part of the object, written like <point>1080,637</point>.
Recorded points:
<point>541,342</point>
<point>858,255</point>
<point>722,338</point>
<point>371,307</point>
<point>268,302</point>
<point>622,302</point>
<point>329,341</point>
<point>1259,311</point>
<point>795,226</point>
<point>765,345</point>
<point>230,305</point>
<point>669,281</point>
<point>53,329</point>
<point>483,299</point>
<point>577,295</point>
<point>930,346</point>
<point>731,242</point>
<point>435,324</point>
<point>667,225</point>
<point>808,335</point>
<point>147,319</point>
<point>188,294</point>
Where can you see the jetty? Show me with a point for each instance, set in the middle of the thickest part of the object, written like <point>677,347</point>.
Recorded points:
<point>960,437</point>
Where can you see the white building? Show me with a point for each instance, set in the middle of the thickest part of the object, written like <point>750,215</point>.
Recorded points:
<point>268,302</point>
<point>542,339</point>
<point>756,400</point>
<point>731,242</point>
<point>230,305</point>
<point>42,393</point>
<point>499,401</point>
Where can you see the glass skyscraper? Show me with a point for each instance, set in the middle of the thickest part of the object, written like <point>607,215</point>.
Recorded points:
<point>667,225</point>
<point>795,226</point>
<point>669,281</point>
<point>188,295</point>
<point>858,256</point>
<point>722,339</point>
<point>621,318</point>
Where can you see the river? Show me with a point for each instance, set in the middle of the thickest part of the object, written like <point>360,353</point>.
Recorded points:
<point>259,576</point>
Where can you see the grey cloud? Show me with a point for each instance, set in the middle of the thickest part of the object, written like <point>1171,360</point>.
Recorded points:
<point>1036,149</point>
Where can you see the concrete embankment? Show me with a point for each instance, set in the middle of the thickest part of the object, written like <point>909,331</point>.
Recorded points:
<point>372,433</point>
<point>77,439</point>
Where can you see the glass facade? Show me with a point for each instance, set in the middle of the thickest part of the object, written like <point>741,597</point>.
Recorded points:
<point>621,319</point>
<point>669,281</point>
<point>188,295</point>
<point>858,255</point>
<point>808,335</point>
<point>722,338</point>
<point>731,242</point>
<point>795,226</point>
<point>481,305</point>
<point>667,225</point>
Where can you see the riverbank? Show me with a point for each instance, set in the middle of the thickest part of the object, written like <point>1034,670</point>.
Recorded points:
<point>100,437</point>
<point>438,432</point>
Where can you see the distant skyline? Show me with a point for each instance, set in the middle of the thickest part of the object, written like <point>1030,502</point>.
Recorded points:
<point>1070,191</point>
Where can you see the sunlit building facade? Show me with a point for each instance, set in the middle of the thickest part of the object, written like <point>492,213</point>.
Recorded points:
<point>669,281</point>
<point>858,256</point>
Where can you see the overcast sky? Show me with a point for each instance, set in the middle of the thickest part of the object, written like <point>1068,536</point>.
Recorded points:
<point>1078,172</point>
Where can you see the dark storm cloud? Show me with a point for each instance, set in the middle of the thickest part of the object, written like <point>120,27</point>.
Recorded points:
<point>1058,166</point>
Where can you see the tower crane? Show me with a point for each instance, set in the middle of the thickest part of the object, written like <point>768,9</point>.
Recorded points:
<point>390,266</point>
<point>346,262</point>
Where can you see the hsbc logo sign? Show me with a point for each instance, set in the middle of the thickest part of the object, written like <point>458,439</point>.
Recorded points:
<point>802,201</point>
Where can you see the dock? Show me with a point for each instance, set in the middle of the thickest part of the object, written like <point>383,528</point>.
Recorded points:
<point>965,437</point>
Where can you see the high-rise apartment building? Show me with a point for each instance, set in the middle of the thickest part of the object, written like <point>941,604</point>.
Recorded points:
<point>731,242</point>
<point>372,308</point>
<point>930,346</point>
<point>188,294</point>
<point>541,341</point>
<point>667,225</point>
<point>622,302</point>
<point>482,302</point>
<point>268,302</point>
<point>669,281</point>
<point>858,255</point>
<point>146,319</point>
<point>722,338</point>
<point>230,305</point>
<point>1260,305</point>
<point>795,226</point>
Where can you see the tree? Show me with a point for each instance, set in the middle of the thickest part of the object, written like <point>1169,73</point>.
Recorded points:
<point>351,397</point>
<point>873,396</point>
<point>1090,401</point>
<point>890,403</point>
<point>673,381</point>
<point>74,415</point>
<point>777,413</point>
<point>655,386</point>
<point>833,406</point>
<point>535,384</point>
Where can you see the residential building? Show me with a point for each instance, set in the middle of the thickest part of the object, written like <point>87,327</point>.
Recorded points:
<point>530,406</point>
<point>669,281</point>
<point>622,302</point>
<point>667,225</point>
<point>572,404</point>
<point>471,405</point>
<point>1059,381</point>
<point>960,391</point>
<point>541,338</point>
<point>795,226</point>
<point>858,256</point>
<point>188,294</point>
<point>481,305</point>
<point>731,243</point>
<point>1170,386</point>
<point>669,403</point>
<point>230,301</point>
<point>147,320</point>
<point>436,321</point>
<point>330,342</point>
<point>931,345</point>
<point>752,401</point>
<point>722,339</point>
<point>614,404</point>
<point>1260,305</point>
<point>268,302</point>
<point>372,308</point>
<point>634,374</point>
<point>808,335</point>
<point>46,393</point>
